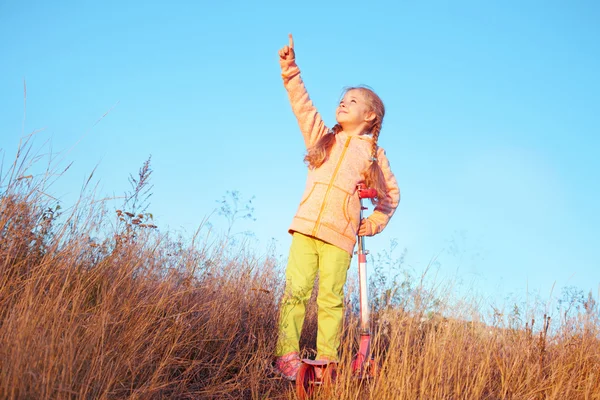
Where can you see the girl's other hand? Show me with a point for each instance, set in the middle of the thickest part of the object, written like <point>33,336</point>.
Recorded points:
<point>366,228</point>
<point>287,52</point>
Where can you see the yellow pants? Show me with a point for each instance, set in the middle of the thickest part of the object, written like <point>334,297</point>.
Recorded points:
<point>307,256</point>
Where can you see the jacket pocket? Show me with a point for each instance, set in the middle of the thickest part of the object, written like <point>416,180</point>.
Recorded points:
<point>311,202</point>
<point>336,214</point>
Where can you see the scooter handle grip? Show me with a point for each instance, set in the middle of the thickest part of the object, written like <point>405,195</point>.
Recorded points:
<point>369,193</point>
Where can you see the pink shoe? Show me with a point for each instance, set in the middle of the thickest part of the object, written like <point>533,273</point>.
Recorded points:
<point>288,365</point>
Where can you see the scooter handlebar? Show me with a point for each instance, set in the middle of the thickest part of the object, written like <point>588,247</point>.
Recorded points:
<point>369,193</point>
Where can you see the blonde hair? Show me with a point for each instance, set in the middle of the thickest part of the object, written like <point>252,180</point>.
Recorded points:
<point>317,154</point>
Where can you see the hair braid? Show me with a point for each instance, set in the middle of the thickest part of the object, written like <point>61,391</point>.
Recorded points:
<point>317,154</point>
<point>375,135</point>
<point>374,176</point>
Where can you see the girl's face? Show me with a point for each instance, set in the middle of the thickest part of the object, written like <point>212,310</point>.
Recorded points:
<point>353,110</point>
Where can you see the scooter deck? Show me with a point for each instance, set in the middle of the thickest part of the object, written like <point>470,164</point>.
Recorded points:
<point>318,363</point>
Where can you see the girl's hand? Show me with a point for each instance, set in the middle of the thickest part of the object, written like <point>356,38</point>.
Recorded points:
<point>287,52</point>
<point>366,228</point>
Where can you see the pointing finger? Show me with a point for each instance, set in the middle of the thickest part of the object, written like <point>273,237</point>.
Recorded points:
<point>291,41</point>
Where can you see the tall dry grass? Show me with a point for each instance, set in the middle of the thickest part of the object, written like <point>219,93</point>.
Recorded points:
<point>101,305</point>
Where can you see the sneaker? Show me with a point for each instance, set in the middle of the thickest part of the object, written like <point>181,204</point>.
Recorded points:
<point>288,365</point>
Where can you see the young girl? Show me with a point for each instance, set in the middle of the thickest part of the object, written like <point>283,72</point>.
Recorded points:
<point>325,226</point>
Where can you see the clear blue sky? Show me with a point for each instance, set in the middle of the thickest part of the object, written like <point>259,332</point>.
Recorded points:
<point>492,125</point>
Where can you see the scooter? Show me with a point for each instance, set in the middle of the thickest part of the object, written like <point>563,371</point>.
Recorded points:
<point>313,373</point>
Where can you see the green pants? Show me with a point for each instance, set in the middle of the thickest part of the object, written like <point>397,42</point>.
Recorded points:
<point>307,256</point>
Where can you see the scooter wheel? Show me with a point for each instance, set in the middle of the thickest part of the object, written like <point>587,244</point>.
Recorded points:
<point>355,366</point>
<point>305,381</point>
<point>368,369</point>
<point>330,374</point>
<point>373,369</point>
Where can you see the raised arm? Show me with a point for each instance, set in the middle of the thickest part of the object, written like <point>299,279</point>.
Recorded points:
<point>310,121</point>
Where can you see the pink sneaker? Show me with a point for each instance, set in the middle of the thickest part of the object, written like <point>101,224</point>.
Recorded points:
<point>288,365</point>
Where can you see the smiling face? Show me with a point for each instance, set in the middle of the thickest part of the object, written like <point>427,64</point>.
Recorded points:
<point>354,110</point>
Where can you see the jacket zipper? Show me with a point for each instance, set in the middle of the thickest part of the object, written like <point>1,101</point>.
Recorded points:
<point>335,172</point>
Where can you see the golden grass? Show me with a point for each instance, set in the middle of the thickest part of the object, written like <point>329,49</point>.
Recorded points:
<point>142,315</point>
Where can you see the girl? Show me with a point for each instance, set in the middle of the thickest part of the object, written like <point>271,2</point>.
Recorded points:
<point>325,226</point>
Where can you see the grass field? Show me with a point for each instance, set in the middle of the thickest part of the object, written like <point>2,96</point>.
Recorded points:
<point>143,314</point>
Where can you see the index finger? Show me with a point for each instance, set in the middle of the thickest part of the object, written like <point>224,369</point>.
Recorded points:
<point>291,40</point>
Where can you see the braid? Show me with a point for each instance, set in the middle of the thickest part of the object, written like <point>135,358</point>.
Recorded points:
<point>375,135</point>
<point>374,176</point>
<point>317,154</point>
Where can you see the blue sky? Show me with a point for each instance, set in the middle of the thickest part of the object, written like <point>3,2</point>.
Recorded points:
<point>492,124</point>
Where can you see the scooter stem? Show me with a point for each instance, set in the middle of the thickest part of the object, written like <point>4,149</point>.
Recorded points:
<point>363,193</point>
<point>363,285</point>
<point>361,360</point>
<point>364,349</point>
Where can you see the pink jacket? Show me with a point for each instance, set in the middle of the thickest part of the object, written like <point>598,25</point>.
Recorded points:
<point>330,207</point>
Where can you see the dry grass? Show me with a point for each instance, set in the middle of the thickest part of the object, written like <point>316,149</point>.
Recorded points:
<point>140,314</point>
